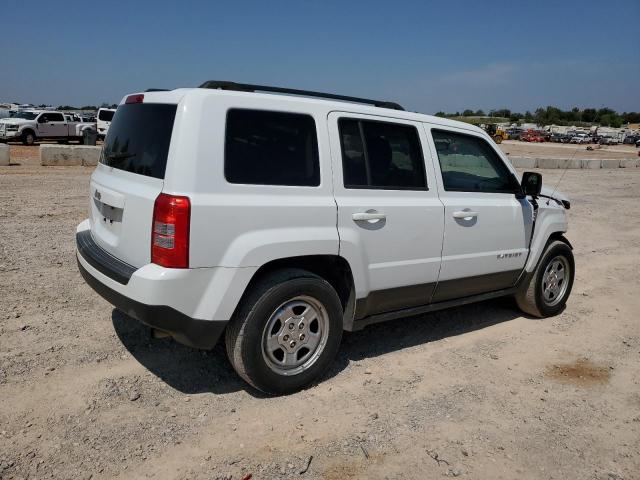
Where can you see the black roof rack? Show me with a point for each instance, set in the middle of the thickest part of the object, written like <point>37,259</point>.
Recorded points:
<point>244,87</point>
<point>157,90</point>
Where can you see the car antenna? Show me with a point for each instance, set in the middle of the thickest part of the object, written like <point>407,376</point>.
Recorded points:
<point>567,167</point>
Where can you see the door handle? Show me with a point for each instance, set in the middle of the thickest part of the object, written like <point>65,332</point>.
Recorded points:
<point>371,217</point>
<point>464,214</point>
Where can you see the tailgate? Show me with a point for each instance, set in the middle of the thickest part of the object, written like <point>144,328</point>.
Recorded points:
<point>128,180</point>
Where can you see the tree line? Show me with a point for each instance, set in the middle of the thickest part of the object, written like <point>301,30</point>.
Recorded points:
<point>553,115</point>
<point>86,107</point>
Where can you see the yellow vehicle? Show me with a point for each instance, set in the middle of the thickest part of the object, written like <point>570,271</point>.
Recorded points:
<point>497,134</point>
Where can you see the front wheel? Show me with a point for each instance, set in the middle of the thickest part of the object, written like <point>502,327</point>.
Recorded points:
<point>28,138</point>
<point>286,332</point>
<point>550,286</point>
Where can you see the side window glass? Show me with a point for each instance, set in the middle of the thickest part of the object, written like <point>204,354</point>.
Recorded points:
<point>271,148</point>
<point>469,164</point>
<point>56,117</point>
<point>381,155</point>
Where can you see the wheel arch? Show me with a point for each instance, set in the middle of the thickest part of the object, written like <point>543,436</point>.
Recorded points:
<point>332,268</point>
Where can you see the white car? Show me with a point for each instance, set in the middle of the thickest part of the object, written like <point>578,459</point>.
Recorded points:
<point>103,119</point>
<point>279,221</point>
<point>30,126</point>
<point>581,138</point>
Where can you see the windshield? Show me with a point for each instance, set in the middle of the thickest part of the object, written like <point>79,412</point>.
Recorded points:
<point>138,139</point>
<point>105,115</point>
<point>25,115</point>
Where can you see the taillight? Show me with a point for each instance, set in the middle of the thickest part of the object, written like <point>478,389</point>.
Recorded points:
<point>170,231</point>
<point>138,98</point>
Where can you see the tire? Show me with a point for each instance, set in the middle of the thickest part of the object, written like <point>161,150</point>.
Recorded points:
<point>259,328</point>
<point>546,295</point>
<point>28,137</point>
<point>497,139</point>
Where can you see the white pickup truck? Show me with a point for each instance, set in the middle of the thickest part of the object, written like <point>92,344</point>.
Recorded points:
<point>32,125</point>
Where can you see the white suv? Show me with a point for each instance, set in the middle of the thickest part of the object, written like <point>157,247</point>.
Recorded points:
<point>282,220</point>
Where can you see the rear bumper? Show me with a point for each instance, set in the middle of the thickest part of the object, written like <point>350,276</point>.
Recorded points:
<point>111,280</point>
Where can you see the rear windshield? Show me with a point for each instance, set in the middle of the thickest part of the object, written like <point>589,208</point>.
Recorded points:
<point>105,115</point>
<point>139,137</point>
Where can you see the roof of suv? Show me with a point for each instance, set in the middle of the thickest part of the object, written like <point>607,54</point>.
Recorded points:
<point>332,102</point>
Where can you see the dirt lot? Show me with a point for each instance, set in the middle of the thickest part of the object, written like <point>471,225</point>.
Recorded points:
<point>564,150</point>
<point>476,392</point>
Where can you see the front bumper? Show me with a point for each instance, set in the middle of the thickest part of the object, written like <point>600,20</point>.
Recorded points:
<point>9,134</point>
<point>99,268</point>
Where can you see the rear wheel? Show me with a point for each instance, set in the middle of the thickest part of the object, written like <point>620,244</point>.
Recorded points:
<point>286,333</point>
<point>28,137</point>
<point>550,286</point>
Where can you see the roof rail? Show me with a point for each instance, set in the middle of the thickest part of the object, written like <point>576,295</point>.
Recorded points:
<point>245,87</point>
<point>157,90</point>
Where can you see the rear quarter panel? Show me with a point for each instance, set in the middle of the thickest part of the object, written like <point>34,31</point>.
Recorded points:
<point>235,225</point>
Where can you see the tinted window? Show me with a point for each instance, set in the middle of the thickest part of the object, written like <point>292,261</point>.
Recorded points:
<point>381,155</point>
<point>469,164</point>
<point>53,117</point>
<point>105,115</point>
<point>271,148</point>
<point>139,137</point>
<point>25,115</point>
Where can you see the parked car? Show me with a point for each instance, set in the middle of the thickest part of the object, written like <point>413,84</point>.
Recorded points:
<point>31,126</point>
<point>105,115</point>
<point>531,136</point>
<point>631,139</point>
<point>278,222</point>
<point>559,138</point>
<point>607,140</point>
<point>514,133</point>
<point>581,138</point>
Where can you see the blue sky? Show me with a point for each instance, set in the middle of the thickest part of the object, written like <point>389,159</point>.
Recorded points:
<point>428,56</point>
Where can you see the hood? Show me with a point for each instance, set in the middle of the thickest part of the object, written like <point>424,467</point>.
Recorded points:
<point>14,121</point>
<point>557,194</point>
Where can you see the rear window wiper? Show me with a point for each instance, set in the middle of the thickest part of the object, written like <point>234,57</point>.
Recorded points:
<point>119,156</point>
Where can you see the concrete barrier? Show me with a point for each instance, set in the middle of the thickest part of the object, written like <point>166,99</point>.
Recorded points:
<point>68,155</point>
<point>629,163</point>
<point>572,163</point>
<point>4,155</point>
<point>548,163</point>
<point>524,162</point>
<point>610,164</point>
<point>591,164</point>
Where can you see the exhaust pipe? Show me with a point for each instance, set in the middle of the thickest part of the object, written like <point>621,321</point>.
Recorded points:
<point>155,333</point>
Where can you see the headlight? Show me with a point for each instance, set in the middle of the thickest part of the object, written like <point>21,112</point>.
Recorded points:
<point>12,127</point>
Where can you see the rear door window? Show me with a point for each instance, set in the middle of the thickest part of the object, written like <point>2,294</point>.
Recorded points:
<point>271,148</point>
<point>105,115</point>
<point>139,137</point>
<point>381,155</point>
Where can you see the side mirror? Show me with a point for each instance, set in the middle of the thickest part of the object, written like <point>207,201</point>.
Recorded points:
<point>531,183</point>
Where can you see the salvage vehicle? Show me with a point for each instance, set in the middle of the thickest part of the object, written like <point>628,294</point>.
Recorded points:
<point>607,140</point>
<point>532,136</point>
<point>105,115</point>
<point>580,138</point>
<point>32,125</point>
<point>278,218</point>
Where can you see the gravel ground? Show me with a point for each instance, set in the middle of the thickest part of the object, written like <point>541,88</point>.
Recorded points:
<point>474,392</point>
<point>566,150</point>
